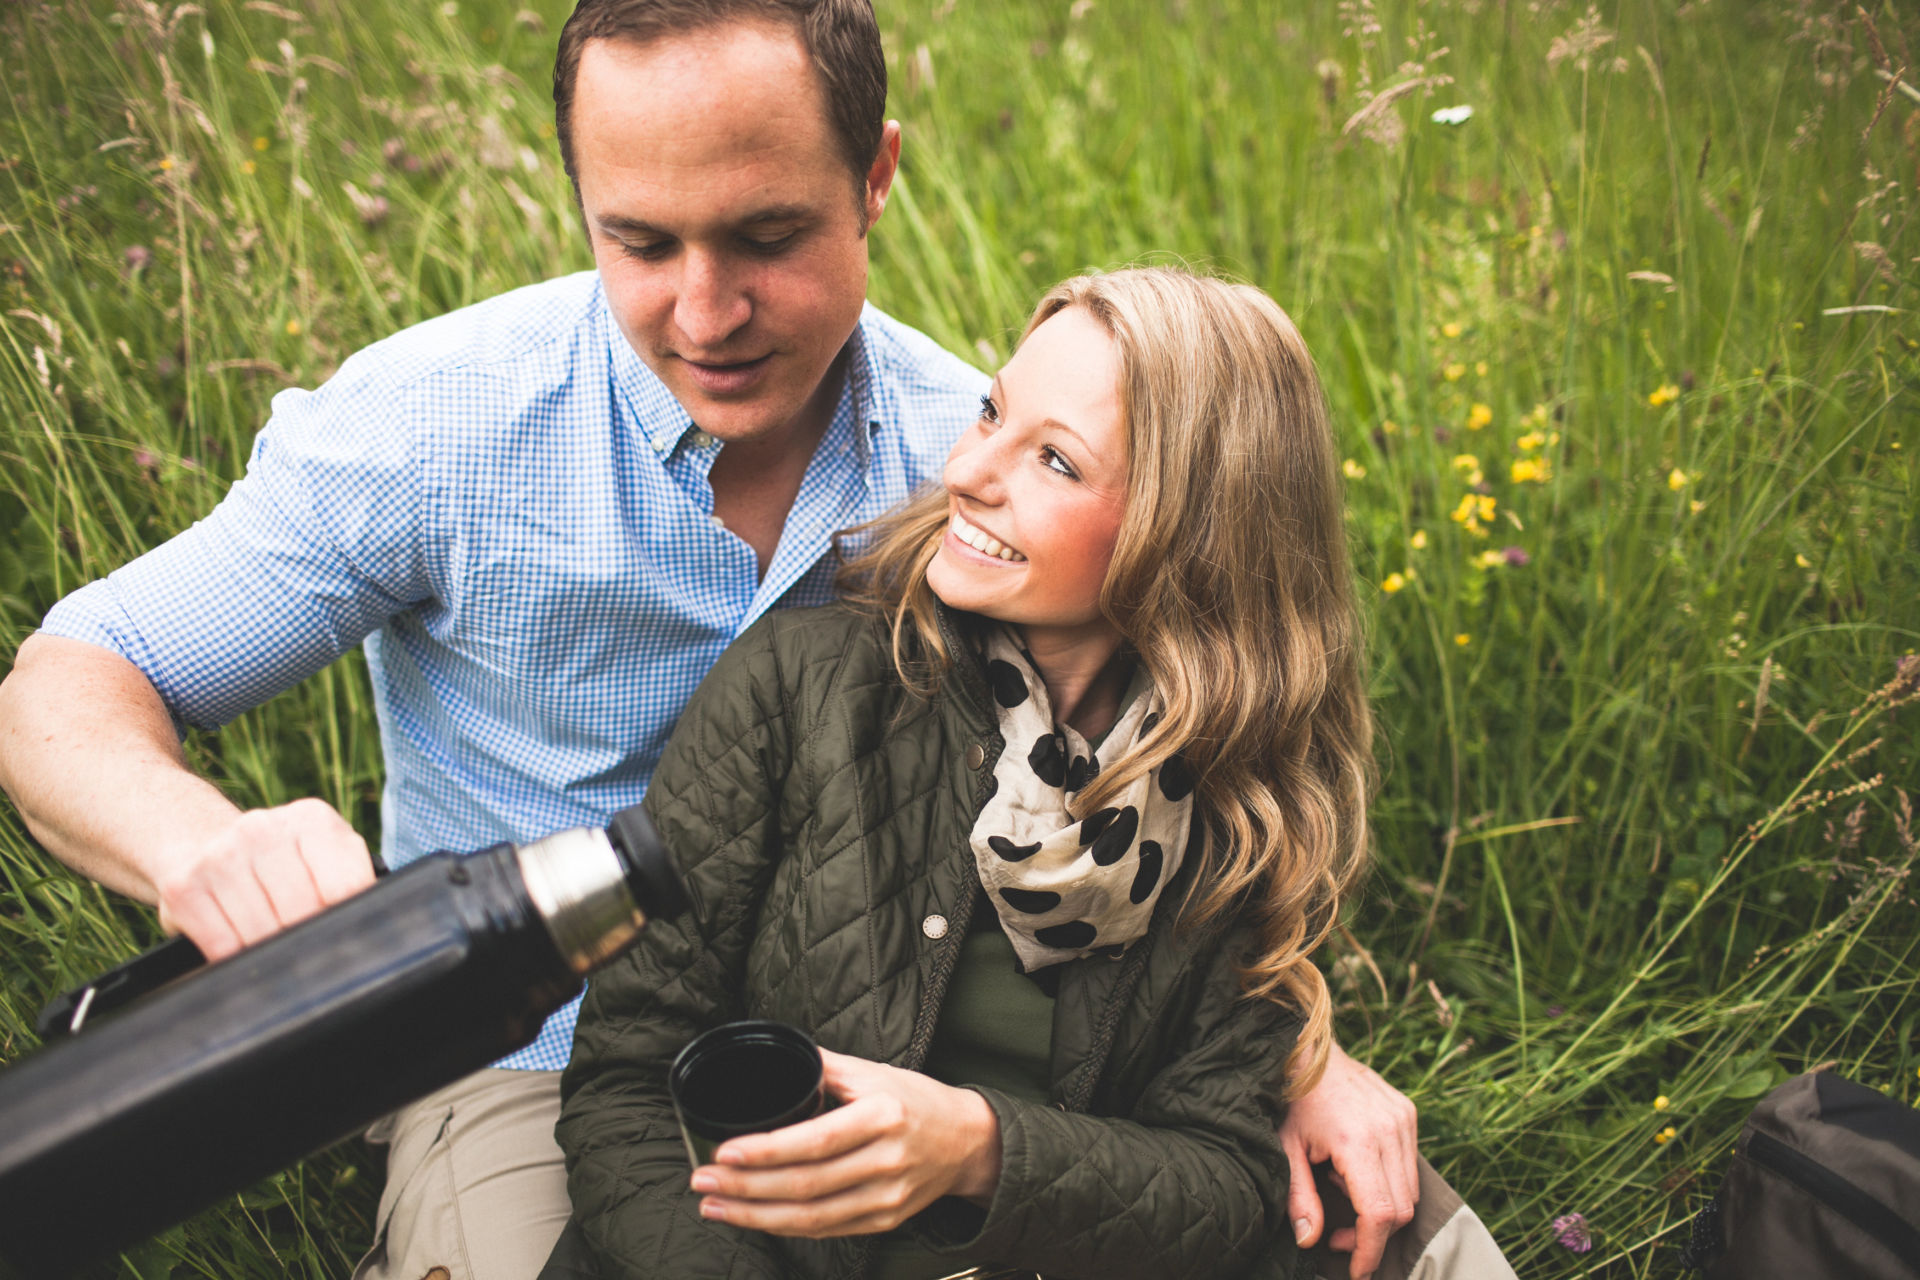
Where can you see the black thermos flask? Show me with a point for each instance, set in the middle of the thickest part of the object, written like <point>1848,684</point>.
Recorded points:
<point>130,1120</point>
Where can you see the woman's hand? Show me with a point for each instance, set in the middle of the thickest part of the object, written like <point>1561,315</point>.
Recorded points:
<point>1370,1131</point>
<point>901,1141</point>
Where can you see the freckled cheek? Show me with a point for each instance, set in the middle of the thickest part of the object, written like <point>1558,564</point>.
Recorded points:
<point>1080,546</point>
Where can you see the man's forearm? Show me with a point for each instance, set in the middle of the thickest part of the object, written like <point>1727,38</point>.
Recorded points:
<point>89,756</point>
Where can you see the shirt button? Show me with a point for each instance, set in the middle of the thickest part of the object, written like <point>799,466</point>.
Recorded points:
<point>934,926</point>
<point>976,756</point>
<point>701,439</point>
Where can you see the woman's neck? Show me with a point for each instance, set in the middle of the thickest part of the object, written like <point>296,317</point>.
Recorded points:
<point>1085,672</point>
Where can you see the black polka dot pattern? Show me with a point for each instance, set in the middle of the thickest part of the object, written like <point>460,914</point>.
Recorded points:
<point>1148,876</point>
<point>1113,842</point>
<point>1065,885</point>
<point>1048,759</point>
<point>1095,823</point>
<point>1176,777</point>
<point>1070,936</point>
<point>1010,851</point>
<point>1033,902</point>
<point>1009,686</point>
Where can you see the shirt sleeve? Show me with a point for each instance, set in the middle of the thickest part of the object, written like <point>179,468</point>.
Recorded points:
<point>319,543</point>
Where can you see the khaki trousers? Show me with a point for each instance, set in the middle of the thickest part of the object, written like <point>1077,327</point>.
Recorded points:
<point>476,1186</point>
<point>477,1190</point>
<point>1445,1241</point>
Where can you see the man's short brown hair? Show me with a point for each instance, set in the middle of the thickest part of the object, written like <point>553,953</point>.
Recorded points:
<point>841,38</point>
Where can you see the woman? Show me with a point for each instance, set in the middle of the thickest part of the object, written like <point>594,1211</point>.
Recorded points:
<point>1034,835</point>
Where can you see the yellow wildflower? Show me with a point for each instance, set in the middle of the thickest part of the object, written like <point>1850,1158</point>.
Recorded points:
<point>1677,479</point>
<point>1465,462</point>
<point>261,144</point>
<point>1451,329</point>
<point>1531,471</point>
<point>1419,540</point>
<point>166,163</point>
<point>1480,368</point>
<point>1665,1136</point>
<point>1454,372</point>
<point>1536,416</point>
<point>1478,416</point>
<point>1661,1103</point>
<point>1474,513</point>
<point>293,328</point>
<point>1393,582</point>
<point>247,166</point>
<point>1462,639</point>
<point>1490,559</point>
<point>1530,441</point>
<point>1388,427</point>
<point>1352,470</point>
<point>1802,561</point>
<point>1661,394</point>
<point>1695,507</point>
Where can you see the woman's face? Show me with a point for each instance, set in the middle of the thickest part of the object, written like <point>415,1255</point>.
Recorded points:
<point>1037,485</point>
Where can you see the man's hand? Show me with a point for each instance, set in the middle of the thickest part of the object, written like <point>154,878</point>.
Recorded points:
<point>89,754</point>
<point>267,869</point>
<point>1369,1130</point>
<point>901,1141</point>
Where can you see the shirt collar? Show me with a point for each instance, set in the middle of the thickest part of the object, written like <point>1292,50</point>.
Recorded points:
<point>874,401</point>
<point>663,424</point>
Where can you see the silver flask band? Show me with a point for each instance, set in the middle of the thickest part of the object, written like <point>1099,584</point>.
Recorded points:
<point>578,885</point>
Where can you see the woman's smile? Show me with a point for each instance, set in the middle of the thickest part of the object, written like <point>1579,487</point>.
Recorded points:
<point>977,539</point>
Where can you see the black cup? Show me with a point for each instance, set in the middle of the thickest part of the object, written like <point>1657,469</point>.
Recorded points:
<point>744,1077</point>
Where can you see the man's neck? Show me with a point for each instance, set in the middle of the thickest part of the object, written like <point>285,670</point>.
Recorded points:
<point>754,482</point>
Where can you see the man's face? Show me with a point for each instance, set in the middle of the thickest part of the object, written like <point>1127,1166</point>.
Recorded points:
<point>724,221</point>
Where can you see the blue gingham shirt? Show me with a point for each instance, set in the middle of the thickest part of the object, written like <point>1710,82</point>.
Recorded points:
<point>512,515</point>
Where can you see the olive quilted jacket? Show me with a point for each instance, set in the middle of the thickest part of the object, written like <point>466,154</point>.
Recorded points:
<point>819,814</point>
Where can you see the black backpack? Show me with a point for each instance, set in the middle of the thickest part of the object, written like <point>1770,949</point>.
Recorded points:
<point>1825,1183</point>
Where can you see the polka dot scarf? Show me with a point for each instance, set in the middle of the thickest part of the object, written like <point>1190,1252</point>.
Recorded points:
<point>1063,887</point>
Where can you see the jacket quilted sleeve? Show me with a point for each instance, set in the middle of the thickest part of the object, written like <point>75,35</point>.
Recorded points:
<point>1181,1176</point>
<point>712,799</point>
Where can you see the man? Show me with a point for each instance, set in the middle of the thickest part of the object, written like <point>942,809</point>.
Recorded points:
<point>544,516</point>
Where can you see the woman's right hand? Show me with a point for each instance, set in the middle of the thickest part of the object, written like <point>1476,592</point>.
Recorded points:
<point>900,1141</point>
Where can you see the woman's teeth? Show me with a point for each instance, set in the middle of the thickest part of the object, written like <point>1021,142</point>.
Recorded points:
<point>982,541</point>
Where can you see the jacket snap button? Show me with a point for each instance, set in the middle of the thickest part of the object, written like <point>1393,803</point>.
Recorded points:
<point>934,926</point>
<point>976,756</point>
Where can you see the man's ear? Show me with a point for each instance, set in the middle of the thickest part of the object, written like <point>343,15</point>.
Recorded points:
<point>880,175</point>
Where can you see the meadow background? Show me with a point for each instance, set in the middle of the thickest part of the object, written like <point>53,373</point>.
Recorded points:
<point>1624,363</point>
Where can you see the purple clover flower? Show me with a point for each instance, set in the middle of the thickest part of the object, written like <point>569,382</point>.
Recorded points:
<point>1570,1230</point>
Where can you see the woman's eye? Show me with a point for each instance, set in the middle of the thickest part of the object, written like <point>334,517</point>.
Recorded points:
<point>989,411</point>
<point>1057,464</point>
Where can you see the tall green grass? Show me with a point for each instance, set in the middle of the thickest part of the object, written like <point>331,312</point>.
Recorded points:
<point>1643,830</point>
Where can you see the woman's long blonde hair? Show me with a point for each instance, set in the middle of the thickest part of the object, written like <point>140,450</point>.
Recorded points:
<point>1230,582</point>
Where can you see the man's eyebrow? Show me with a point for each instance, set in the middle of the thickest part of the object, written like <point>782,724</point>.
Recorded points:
<point>621,225</point>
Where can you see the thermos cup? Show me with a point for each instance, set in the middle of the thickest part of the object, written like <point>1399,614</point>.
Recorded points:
<point>146,1105</point>
<point>743,1077</point>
